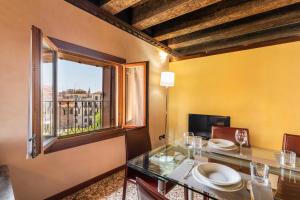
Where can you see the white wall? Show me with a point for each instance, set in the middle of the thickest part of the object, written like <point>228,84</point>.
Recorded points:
<point>49,174</point>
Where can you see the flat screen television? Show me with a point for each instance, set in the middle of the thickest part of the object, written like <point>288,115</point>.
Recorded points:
<point>201,124</point>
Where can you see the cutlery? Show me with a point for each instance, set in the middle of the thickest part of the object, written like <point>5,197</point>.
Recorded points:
<point>189,172</point>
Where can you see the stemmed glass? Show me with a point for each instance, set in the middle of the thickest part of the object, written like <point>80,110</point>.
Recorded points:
<point>241,138</point>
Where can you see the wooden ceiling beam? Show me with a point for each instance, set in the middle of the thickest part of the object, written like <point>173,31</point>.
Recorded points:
<point>243,41</point>
<point>116,6</point>
<point>271,21</point>
<point>113,20</point>
<point>222,16</point>
<point>155,11</point>
<point>239,48</point>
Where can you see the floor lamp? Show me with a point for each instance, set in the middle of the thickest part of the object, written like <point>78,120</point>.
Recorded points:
<point>167,79</point>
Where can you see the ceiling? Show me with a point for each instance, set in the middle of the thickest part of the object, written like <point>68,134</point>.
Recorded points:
<point>194,28</point>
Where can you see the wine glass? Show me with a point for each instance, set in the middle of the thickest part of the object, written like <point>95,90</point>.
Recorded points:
<point>241,138</point>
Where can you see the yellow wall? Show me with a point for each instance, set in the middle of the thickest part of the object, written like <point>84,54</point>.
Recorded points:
<point>258,88</point>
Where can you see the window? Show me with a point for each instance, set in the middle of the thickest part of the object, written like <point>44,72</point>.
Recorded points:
<point>79,85</point>
<point>76,90</point>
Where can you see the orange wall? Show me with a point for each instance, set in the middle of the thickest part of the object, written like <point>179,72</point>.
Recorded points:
<point>49,174</point>
<point>258,88</point>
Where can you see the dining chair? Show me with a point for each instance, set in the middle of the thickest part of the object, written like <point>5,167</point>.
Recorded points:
<point>287,188</point>
<point>147,192</point>
<point>291,143</point>
<point>138,142</point>
<point>228,133</point>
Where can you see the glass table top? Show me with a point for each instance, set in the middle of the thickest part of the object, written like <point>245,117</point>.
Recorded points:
<point>172,163</point>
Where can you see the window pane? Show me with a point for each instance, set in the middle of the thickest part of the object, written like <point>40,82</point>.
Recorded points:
<point>47,92</point>
<point>135,96</point>
<point>79,97</point>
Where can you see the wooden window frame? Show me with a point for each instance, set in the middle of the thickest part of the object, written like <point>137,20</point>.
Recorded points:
<point>76,53</point>
<point>35,129</point>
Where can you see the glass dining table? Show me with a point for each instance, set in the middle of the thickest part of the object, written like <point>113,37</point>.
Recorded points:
<point>171,163</point>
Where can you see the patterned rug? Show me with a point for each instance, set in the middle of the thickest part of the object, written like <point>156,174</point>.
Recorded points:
<point>111,188</point>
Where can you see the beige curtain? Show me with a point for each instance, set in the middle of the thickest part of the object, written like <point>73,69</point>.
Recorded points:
<point>135,98</point>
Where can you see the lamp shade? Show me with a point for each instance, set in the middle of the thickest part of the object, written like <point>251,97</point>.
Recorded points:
<point>167,79</point>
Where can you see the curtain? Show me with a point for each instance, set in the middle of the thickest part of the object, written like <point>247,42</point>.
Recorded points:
<point>135,96</point>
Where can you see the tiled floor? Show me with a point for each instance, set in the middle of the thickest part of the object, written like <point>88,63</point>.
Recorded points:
<point>110,188</point>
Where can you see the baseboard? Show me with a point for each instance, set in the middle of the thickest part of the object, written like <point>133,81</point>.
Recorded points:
<point>84,184</point>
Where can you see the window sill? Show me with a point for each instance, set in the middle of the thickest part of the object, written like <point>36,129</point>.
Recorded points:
<point>78,140</point>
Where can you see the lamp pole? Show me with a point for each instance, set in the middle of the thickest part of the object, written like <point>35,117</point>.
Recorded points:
<point>166,80</point>
<point>166,117</point>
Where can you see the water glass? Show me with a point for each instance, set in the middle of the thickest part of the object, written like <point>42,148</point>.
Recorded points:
<point>259,173</point>
<point>197,142</point>
<point>189,139</point>
<point>288,158</point>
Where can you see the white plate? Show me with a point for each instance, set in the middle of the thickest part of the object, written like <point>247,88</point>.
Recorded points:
<point>218,174</point>
<point>221,143</point>
<point>231,188</point>
<point>234,148</point>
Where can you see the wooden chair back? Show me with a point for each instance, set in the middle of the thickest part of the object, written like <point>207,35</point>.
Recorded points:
<point>137,142</point>
<point>228,133</point>
<point>291,143</point>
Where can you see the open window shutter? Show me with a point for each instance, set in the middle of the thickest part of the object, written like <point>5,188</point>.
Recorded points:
<point>35,131</point>
<point>109,100</point>
<point>135,82</point>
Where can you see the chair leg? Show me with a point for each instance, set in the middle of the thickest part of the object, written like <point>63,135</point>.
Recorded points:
<point>161,187</point>
<point>125,185</point>
<point>206,196</point>
<point>188,194</point>
<point>124,189</point>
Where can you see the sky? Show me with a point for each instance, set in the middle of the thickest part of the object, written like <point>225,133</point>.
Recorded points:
<point>72,75</point>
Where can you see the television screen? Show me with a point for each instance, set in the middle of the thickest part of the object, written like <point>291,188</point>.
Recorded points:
<point>201,124</point>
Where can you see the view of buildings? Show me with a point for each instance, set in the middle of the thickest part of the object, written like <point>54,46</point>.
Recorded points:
<point>77,111</point>
<point>79,97</point>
